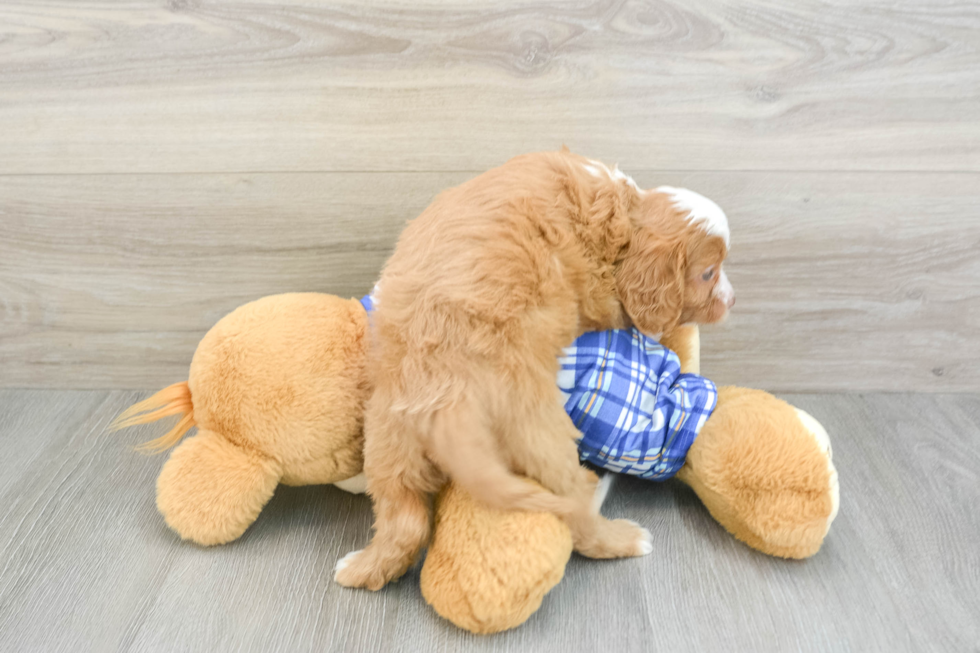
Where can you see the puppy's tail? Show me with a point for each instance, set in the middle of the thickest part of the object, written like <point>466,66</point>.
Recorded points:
<point>173,400</point>
<point>468,453</point>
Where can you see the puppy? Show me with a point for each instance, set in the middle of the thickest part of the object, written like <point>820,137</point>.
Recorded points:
<point>483,291</point>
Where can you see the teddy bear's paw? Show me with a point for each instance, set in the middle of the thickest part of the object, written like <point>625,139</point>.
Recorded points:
<point>819,434</point>
<point>618,538</point>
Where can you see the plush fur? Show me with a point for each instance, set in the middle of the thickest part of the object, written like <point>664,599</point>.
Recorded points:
<point>763,468</point>
<point>483,291</point>
<point>277,390</point>
<point>736,466</point>
<point>485,589</point>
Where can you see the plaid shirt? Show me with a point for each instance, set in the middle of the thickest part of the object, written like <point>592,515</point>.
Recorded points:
<point>625,392</point>
<point>637,413</point>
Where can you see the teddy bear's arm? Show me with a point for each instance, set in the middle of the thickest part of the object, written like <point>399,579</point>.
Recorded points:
<point>685,341</point>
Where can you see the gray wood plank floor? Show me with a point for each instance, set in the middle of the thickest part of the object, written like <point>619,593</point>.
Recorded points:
<point>86,563</point>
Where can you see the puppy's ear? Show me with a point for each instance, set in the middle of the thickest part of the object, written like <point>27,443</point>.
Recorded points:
<point>650,281</point>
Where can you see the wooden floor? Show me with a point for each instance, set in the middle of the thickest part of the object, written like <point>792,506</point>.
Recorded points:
<point>164,161</point>
<point>86,563</point>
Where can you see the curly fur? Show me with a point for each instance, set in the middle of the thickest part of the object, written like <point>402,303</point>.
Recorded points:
<point>483,291</point>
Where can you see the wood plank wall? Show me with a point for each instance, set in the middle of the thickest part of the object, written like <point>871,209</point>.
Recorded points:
<point>162,162</point>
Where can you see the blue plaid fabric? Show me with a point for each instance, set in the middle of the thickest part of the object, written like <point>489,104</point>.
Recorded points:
<point>625,392</point>
<point>637,413</point>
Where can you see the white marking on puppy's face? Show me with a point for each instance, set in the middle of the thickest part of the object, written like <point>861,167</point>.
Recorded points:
<point>723,290</point>
<point>592,170</point>
<point>700,209</point>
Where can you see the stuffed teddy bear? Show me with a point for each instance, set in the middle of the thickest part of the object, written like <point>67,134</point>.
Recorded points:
<point>277,389</point>
<point>762,467</point>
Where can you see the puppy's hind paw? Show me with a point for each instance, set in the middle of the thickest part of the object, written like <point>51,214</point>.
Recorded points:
<point>343,563</point>
<point>617,538</point>
<point>363,569</point>
<point>644,545</point>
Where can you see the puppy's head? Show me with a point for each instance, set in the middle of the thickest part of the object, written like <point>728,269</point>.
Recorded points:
<point>671,272</point>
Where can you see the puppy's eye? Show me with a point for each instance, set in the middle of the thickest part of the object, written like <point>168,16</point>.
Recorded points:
<point>707,276</point>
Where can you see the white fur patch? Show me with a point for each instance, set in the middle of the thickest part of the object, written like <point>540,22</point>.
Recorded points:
<point>619,174</point>
<point>645,545</point>
<point>594,167</point>
<point>723,289</point>
<point>601,490</point>
<point>700,209</point>
<point>354,484</point>
<point>343,562</point>
<point>599,165</point>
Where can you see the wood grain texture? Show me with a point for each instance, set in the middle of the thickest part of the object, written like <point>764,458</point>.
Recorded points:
<point>162,162</point>
<point>86,563</point>
<point>204,86</point>
<point>845,281</point>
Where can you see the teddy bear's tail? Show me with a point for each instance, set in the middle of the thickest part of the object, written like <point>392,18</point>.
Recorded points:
<point>173,400</point>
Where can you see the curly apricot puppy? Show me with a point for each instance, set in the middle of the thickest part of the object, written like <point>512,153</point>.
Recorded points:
<point>483,291</point>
